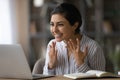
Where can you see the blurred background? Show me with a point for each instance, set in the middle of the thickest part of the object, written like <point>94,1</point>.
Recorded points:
<point>26,22</point>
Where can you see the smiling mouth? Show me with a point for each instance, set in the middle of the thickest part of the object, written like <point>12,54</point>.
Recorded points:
<point>58,35</point>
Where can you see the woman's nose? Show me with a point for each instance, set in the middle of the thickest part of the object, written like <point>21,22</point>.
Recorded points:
<point>55,29</point>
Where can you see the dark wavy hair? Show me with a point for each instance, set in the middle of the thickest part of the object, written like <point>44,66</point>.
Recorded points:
<point>70,12</point>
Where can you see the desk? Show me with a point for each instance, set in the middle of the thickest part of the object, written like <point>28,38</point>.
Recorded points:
<point>64,78</point>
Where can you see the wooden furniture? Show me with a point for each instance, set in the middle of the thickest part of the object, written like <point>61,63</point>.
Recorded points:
<point>64,78</point>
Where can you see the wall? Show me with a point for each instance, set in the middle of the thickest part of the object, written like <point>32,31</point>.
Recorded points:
<point>21,23</point>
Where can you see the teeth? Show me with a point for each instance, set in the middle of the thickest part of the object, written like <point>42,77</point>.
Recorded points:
<point>57,35</point>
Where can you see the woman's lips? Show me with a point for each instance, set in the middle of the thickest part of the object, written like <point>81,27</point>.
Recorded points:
<point>58,35</point>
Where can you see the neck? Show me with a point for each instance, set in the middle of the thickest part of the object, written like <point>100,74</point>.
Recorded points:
<point>74,37</point>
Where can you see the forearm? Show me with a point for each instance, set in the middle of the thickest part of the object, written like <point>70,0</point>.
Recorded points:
<point>97,62</point>
<point>48,71</point>
<point>82,68</point>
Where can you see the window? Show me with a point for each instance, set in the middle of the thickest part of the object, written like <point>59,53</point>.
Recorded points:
<point>5,22</point>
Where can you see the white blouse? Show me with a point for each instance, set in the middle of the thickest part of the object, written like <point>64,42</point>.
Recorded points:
<point>95,58</point>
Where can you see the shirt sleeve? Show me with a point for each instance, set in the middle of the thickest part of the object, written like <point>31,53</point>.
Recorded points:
<point>82,68</point>
<point>45,69</point>
<point>48,71</point>
<point>95,60</point>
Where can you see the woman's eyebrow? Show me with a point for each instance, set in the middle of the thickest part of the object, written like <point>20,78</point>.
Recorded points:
<point>61,22</point>
<point>58,22</point>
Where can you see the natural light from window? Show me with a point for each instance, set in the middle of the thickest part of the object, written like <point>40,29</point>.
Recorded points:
<point>5,23</point>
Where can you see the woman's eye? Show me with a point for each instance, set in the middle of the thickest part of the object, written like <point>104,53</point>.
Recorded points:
<point>60,24</point>
<point>51,24</point>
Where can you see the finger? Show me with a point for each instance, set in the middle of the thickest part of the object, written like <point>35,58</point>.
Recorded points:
<point>53,46</point>
<point>50,46</point>
<point>71,44</point>
<point>86,51</point>
<point>78,43</point>
<point>66,43</point>
<point>56,51</point>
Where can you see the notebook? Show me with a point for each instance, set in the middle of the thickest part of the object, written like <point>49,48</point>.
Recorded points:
<point>13,63</point>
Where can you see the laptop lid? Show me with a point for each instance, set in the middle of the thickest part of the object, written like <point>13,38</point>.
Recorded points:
<point>13,63</point>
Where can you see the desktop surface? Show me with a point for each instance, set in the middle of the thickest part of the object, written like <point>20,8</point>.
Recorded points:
<point>64,78</point>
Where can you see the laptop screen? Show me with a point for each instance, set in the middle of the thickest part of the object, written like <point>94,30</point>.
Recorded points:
<point>13,62</point>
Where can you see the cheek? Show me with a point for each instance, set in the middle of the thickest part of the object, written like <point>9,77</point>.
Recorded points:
<point>68,32</point>
<point>51,30</point>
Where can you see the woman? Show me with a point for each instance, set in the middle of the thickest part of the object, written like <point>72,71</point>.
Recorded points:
<point>70,51</point>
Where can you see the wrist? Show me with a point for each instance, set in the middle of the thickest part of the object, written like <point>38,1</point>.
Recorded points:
<point>80,63</point>
<point>50,66</point>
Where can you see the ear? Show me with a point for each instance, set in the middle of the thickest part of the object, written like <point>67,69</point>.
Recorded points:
<point>75,26</point>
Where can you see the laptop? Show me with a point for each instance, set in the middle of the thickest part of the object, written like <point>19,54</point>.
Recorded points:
<point>13,63</point>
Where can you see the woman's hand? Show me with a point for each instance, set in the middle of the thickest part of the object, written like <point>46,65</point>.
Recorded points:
<point>52,56</point>
<point>74,47</point>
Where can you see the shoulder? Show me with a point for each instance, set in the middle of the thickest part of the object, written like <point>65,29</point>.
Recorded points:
<point>93,46</point>
<point>89,41</point>
<point>94,49</point>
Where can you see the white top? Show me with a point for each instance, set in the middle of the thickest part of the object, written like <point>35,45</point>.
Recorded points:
<point>95,58</point>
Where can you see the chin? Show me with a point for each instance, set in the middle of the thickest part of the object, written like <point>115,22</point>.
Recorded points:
<point>58,40</point>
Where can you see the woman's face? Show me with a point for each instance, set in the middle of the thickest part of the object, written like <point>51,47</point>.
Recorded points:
<point>61,28</point>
